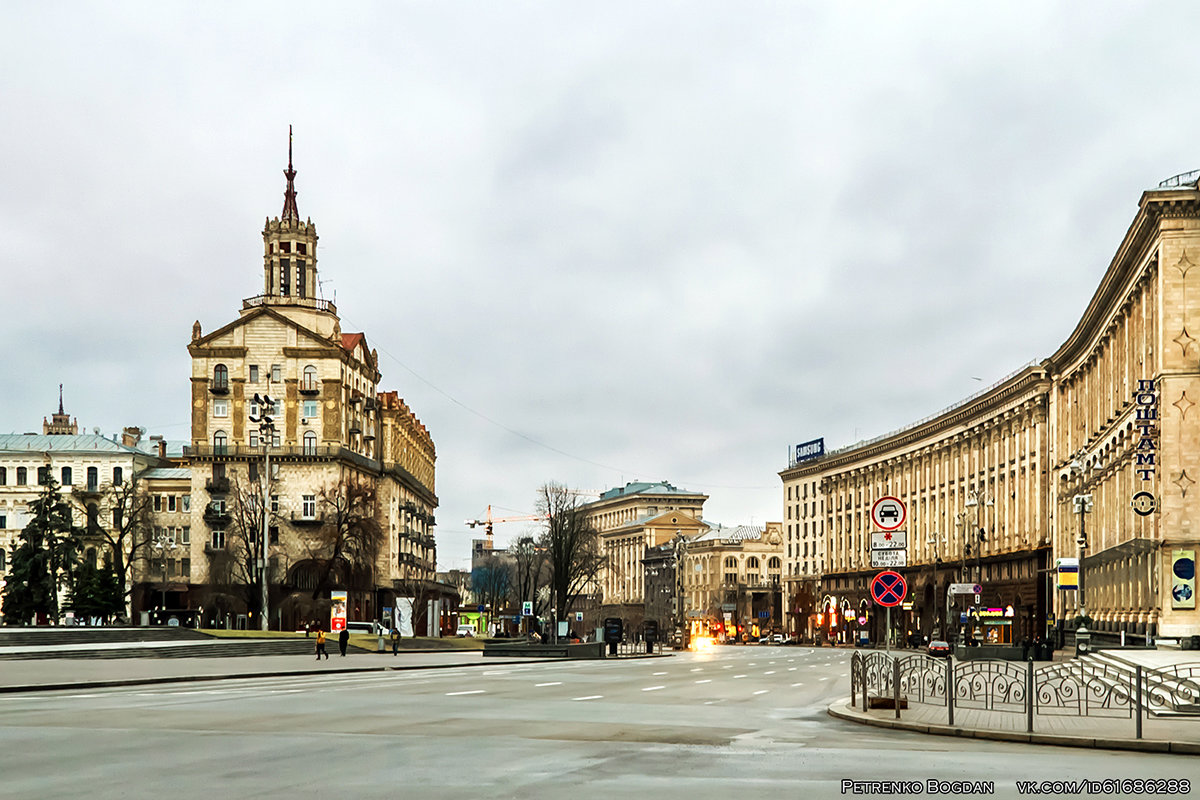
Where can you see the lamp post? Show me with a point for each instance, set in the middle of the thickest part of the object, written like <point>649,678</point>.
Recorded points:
<point>680,615</point>
<point>1083,505</point>
<point>164,543</point>
<point>266,433</point>
<point>978,499</point>
<point>934,561</point>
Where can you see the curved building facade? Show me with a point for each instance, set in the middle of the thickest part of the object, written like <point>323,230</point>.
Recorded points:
<point>1087,456</point>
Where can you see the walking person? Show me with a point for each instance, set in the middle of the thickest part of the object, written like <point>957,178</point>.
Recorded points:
<point>343,640</point>
<point>395,640</point>
<point>321,644</point>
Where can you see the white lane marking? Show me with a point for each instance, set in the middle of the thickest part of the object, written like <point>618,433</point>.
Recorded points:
<point>706,680</point>
<point>791,669</point>
<point>762,691</point>
<point>552,683</point>
<point>660,673</point>
<point>735,677</point>
<point>697,669</point>
<point>727,666</point>
<point>794,685</point>
<point>823,679</point>
<point>653,688</point>
<point>472,691</point>
<point>769,672</point>
<point>753,664</point>
<point>589,697</point>
<point>497,672</point>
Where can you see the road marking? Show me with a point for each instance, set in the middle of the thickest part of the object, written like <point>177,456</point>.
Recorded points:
<point>753,664</point>
<point>552,683</point>
<point>589,697</point>
<point>497,672</point>
<point>794,685</point>
<point>660,673</point>
<point>697,669</point>
<point>653,688</point>
<point>727,666</point>
<point>472,691</point>
<point>706,680</point>
<point>769,672</point>
<point>735,677</point>
<point>823,679</point>
<point>762,691</point>
<point>791,669</point>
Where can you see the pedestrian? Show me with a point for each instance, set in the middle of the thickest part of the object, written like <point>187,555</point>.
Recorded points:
<point>395,640</point>
<point>321,644</point>
<point>343,640</point>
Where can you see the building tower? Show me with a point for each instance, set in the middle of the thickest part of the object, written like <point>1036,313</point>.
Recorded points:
<point>60,424</point>
<point>290,249</point>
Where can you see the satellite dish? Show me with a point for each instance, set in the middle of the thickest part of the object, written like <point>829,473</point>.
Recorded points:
<point>96,430</point>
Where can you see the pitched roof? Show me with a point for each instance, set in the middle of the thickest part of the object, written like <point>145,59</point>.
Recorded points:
<point>642,487</point>
<point>66,443</point>
<point>167,474</point>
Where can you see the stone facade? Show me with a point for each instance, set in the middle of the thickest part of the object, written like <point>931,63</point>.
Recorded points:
<point>733,581</point>
<point>990,484</point>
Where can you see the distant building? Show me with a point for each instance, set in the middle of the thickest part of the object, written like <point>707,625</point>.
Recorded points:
<point>733,581</point>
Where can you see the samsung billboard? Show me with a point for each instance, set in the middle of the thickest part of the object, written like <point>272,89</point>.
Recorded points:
<point>809,450</point>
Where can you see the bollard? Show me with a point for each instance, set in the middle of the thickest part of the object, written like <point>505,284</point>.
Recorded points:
<point>896,685</point>
<point>1137,689</point>
<point>1029,696</point>
<point>949,690</point>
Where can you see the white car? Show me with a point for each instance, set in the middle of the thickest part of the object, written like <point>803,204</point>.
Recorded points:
<point>465,630</point>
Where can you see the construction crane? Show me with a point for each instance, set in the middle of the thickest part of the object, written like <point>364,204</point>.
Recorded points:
<point>489,521</point>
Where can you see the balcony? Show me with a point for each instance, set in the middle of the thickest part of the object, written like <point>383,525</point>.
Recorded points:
<point>369,405</point>
<point>216,518</point>
<point>302,521</point>
<point>310,388</point>
<point>289,300</point>
<point>221,388</point>
<point>354,430</point>
<point>217,485</point>
<point>211,550</point>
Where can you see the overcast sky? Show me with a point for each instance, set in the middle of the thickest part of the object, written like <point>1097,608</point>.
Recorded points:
<point>592,244</point>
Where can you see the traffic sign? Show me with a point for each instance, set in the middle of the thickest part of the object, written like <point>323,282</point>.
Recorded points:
<point>889,540</point>
<point>527,608</point>
<point>888,589</point>
<point>889,513</point>
<point>889,558</point>
<point>966,588</point>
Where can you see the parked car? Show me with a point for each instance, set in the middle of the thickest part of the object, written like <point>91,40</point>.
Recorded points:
<point>465,630</point>
<point>939,648</point>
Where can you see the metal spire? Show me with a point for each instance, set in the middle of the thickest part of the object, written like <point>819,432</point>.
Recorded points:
<point>289,194</point>
<point>60,405</point>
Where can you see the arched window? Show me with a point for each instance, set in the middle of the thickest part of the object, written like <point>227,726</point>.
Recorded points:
<point>22,476</point>
<point>118,476</point>
<point>221,377</point>
<point>309,383</point>
<point>93,517</point>
<point>730,562</point>
<point>91,557</point>
<point>220,441</point>
<point>752,563</point>
<point>93,479</point>
<point>3,476</point>
<point>774,563</point>
<point>2,560</point>
<point>66,476</point>
<point>310,443</point>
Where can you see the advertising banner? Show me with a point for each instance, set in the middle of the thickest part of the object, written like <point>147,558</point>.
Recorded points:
<point>337,611</point>
<point>807,450</point>
<point>1183,579</point>
<point>404,616</point>
<point>1068,573</point>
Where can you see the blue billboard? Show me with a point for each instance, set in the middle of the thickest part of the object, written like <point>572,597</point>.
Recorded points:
<point>807,450</point>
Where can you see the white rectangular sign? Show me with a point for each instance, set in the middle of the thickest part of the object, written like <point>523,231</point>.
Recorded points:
<point>889,558</point>
<point>889,540</point>
<point>964,588</point>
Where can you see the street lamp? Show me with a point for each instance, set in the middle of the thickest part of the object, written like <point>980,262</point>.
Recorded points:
<point>678,548</point>
<point>266,434</point>
<point>164,543</point>
<point>934,562</point>
<point>1083,505</point>
<point>978,499</point>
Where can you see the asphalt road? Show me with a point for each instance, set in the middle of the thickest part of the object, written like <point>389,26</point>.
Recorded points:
<point>740,722</point>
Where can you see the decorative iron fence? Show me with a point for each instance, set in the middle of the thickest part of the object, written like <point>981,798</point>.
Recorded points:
<point>1080,688</point>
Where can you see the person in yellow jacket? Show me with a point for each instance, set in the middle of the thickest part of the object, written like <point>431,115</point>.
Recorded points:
<point>321,644</point>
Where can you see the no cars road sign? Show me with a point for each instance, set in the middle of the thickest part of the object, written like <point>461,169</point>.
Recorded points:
<point>889,513</point>
<point>888,588</point>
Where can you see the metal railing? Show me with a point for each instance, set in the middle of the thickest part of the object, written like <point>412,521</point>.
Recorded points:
<point>1079,688</point>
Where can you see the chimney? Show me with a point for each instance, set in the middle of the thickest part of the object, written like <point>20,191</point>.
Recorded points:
<point>131,435</point>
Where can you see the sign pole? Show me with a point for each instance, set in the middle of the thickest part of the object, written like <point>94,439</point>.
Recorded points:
<point>887,633</point>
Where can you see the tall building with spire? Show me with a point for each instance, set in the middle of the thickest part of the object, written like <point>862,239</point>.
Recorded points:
<point>333,433</point>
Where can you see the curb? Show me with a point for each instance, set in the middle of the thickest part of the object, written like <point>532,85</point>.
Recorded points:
<point>57,687</point>
<point>841,710</point>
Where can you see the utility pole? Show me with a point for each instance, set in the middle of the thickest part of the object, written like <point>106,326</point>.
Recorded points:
<point>266,432</point>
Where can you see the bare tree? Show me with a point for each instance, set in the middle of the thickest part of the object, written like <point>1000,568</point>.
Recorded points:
<point>492,582</point>
<point>122,522</point>
<point>530,572</point>
<point>234,569</point>
<point>572,547</point>
<point>348,543</point>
